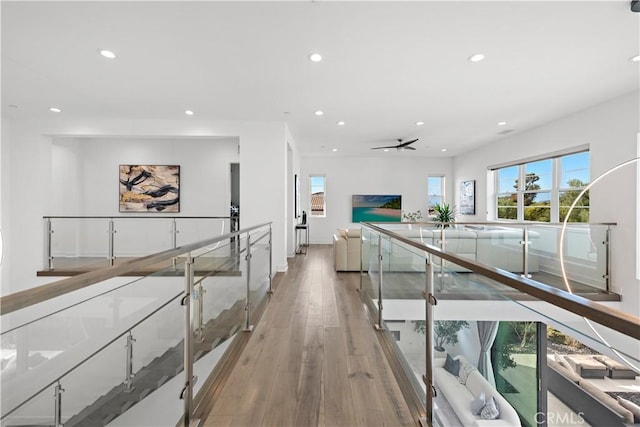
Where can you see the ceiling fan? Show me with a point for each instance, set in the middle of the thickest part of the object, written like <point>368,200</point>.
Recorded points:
<point>401,145</point>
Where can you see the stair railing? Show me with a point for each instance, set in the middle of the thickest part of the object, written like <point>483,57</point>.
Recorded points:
<point>163,264</point>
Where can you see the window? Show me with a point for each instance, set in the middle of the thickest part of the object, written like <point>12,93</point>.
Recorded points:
<point>537,191</point>
<point>435,192</point>
<point>543,190</point>
<point>508,192</point>
<point>574,172</point>
<point>318,192</point>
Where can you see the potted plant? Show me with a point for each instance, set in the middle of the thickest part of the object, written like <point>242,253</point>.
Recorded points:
<point>444,216</point>
<point>412,216</point>
<point>446,332</point>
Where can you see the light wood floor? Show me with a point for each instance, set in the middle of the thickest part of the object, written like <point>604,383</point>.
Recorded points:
<point>313,359</point>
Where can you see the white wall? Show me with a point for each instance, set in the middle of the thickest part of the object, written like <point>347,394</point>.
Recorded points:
<point>28,177</point>
<point>84,170</point>
<point>346,176</point>
<point>611,130</point>
<point>293,169</point>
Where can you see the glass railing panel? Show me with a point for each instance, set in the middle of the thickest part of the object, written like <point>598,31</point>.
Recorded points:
<point>403,310</point>
<point>371,276</point>
<point>259,266</point>
<point>501,247</point>
<point>136,237</point>
<point>220,296</point>
<point>194,229</point>
<point>82,345</point>
<point>584,253</point>
<point>79,241</point>
<point>39,411</point>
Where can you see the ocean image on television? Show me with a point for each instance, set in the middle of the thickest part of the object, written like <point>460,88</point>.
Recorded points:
<point>376,208</point>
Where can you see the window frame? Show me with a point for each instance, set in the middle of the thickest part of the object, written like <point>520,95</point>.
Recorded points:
<point>554,192</point>
<point>443,187</point>
<point>324,197</point>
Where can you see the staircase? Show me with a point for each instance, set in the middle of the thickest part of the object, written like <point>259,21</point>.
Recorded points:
<point>160,370</point>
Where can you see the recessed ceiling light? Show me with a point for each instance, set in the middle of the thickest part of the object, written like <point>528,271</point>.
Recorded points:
<point>476,57</point>
<point>443,149</point>
<point>107,53</point>
<point>419,123</point>
<point>319,113</point>
<point>334,150</point>
<point>340,123</point>
<point>502,123</point>
<point>636,58</point>
<point>315,57</point>
<point>188,112</point>
<point>55,110</point>
<point>385,150</point>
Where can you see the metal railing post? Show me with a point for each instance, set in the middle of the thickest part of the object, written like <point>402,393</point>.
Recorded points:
<point>198,294</point>
<point>430,301</point>
<point>270,291</point>
<point>607,263</point>
<point>525,252</point>
<point>112,233</point>
<point>57,407</point>
<point>189,379</point>
<point>174,241</point>
<point>248,327</point>
<point>378,326</point>
<point>48,245</point>
<point>128,381</point>
<point>361,258</point>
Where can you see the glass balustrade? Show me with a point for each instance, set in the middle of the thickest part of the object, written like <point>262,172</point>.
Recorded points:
<point>93,356</point>
<point>87,242</point>
<point>538,358</point>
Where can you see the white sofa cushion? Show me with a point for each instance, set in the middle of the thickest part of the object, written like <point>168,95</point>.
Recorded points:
<point>460,397</point>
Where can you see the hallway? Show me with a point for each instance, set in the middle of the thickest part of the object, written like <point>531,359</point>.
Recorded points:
<point>313,359</point>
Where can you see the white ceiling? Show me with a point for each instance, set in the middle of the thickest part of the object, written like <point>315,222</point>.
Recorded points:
<point>386,65</point>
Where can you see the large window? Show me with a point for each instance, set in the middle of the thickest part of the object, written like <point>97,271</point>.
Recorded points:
<point>544,190</point>
<point>435,192</point>
<point>318,195</point>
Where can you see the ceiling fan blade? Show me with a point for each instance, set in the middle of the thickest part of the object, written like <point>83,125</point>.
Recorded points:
<point>380,148</point>
<point>408,148</point>
<point>404,144</point>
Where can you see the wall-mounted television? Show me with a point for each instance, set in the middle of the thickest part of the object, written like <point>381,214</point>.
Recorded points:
<point>376,208</point>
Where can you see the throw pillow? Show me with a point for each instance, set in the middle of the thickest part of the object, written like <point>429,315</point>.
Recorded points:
<point>490,410</point>
<point>465,369</point>
<point>478,403</point>
<point>632,407</point>
<point>452,366</point>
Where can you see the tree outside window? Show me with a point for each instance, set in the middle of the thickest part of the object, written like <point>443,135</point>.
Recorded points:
<point>537,197</point>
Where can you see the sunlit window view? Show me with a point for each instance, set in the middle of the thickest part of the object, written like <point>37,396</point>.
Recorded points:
<point>544,190</point>
<point>318,195</point>
<point>435,192</point>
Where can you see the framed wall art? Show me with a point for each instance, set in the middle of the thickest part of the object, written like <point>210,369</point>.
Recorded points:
<point>376,208</point>
<point>467,198</point>
<point>149,188</point>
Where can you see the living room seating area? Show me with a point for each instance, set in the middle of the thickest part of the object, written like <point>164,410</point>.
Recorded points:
<point>499,248</point>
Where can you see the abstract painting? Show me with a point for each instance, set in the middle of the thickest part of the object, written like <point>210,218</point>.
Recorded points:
<point>376,208</point>
<point>149,188</point>
<point>467,198</point>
